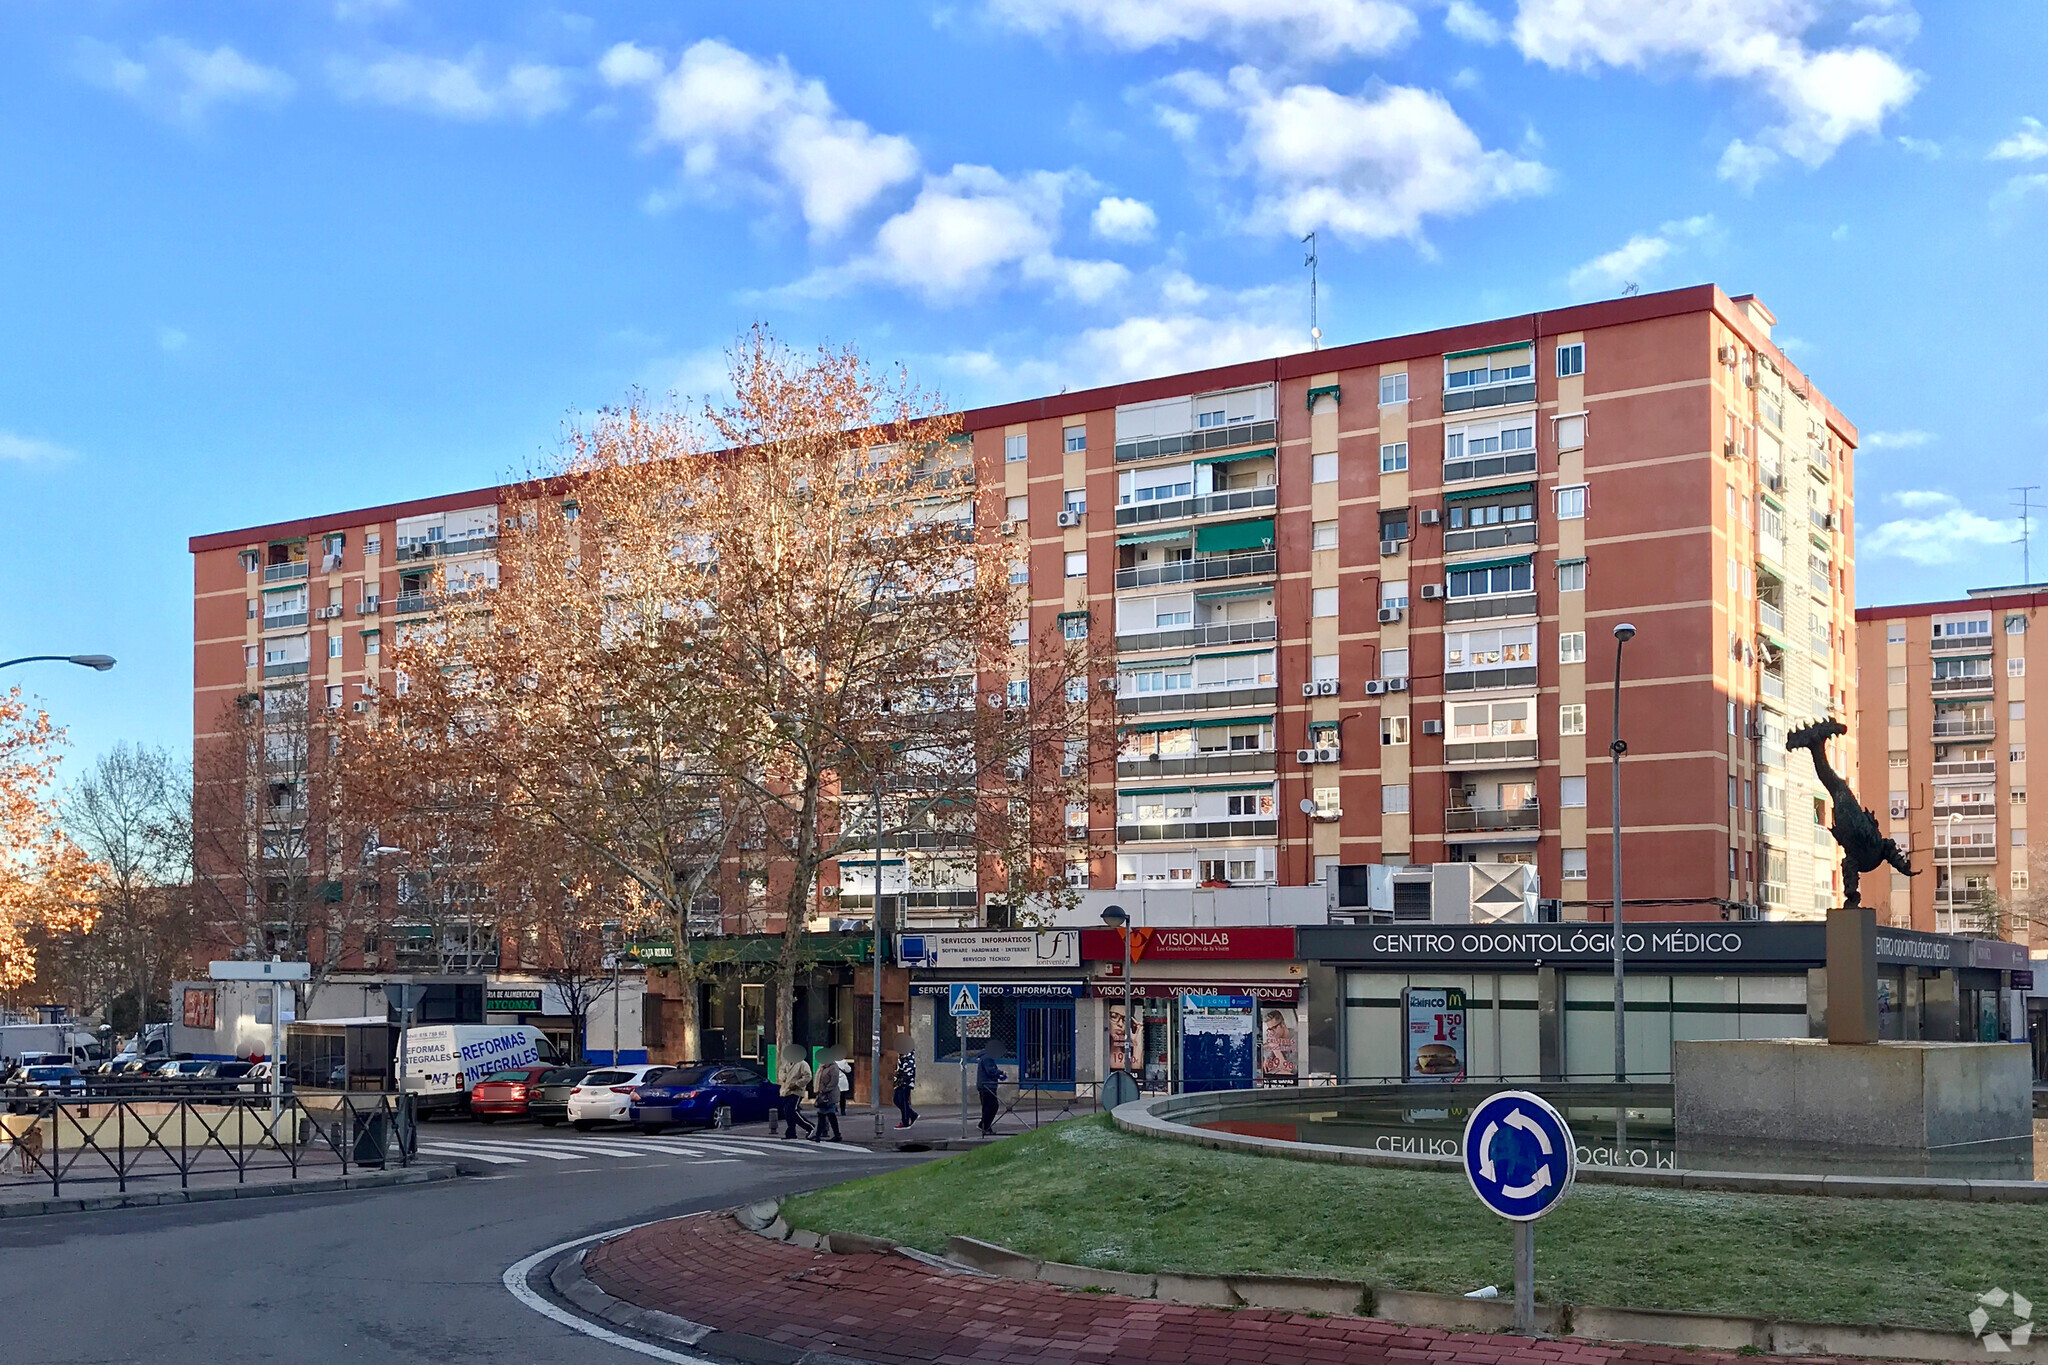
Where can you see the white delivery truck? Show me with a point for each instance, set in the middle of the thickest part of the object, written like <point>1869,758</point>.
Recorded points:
<point>444,1061</point>
<point>63,1040</point>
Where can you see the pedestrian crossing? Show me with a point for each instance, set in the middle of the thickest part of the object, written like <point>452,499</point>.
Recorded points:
<point>701,1149</point>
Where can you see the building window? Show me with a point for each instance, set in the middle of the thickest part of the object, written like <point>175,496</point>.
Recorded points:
<point>1076,439</point>
<point>1394,596</point>
<point>1393,389</point>
<point>1015,448</point>
<point>1017,508</point>
<point>2016,710</point>
<point>1895,677</point>
<point>1394,663</point>
<point>1571,791</point>
<point>334,698</point>
<point>2019,879</point>
<point>1897,760</point>
<point>1020,632</point>
<point>2016,754</point>
<point>2019,796</point>
<point>2015,625</point>
<point>1571,502</point>
<point>1571,575</point>
<point>248,656</point>
<point>1393,457</point>
<point>1571,360</point>
<point>334,646</point>
<point>1323,668</point>
<point>1324,601</point>
<point>1895,634</point>
<point>1323,468</point>
<point>1571,719</point>
<point>1018,692</point>
<point>1571,647</point>
<point>2015,667</point>
<point>1574,864</point>
<point>1325,536</point>
<point>1074,627</point>
<point>1394,798</point>
<point>1571,431</point>
<point>2019,838</point>
<point>1393,729</point>
<point>372,544</point>
<point>249,561</point>
<point>1077,563</point>
<point>1492,581</point>
<point>373,642</point>
<point>1020,572</point>
<point>1076,500</point>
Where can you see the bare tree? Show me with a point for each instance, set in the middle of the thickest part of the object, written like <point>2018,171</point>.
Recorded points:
<point>131,813</point>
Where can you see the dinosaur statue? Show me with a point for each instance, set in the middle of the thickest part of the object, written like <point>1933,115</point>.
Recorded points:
<point>1864,846</point>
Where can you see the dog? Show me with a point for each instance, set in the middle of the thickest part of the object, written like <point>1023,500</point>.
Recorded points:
<point>28,1148</point>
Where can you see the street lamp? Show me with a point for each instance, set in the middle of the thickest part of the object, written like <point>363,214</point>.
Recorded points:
<point>1623,633</point>
<point>99,663</point>
<point>1115,918</point>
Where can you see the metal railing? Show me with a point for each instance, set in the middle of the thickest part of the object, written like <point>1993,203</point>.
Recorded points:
<point>1183,637</point>
<point>1772,686</point>
<point>1473,820</point>
<point>100,1139</point>
<point>1979,683</point>
<point>1190,765</point>
<point>1962,644</point>
<point>1199,570</point>
<point>1489,538</point>
<point>411,601</point>
<point>1250,827</point>
<point>1212,699</point>
<point>1490,751</point>
<point>282,573</point>
<point>1208,504</point>
<point>1193,442</point>
<point>1979,727</point>
<point>289,669</point>
<point>1490,608</point>
<point>1767,614</point>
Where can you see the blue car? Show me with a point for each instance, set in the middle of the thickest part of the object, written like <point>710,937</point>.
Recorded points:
<point>705,1094</point>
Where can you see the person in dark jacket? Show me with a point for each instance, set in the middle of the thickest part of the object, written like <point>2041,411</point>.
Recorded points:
<point>905,1079</point>
<point>988,1078</point>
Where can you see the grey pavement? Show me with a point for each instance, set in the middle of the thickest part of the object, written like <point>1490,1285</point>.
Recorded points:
<point>410,1274</point>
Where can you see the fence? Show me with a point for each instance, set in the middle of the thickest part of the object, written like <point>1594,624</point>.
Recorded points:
<point>98,1140</point>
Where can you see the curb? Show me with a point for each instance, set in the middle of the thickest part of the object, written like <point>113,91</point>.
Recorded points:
<point>141,1199</point>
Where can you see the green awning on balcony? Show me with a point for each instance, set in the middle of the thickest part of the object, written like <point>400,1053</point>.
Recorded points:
<point>1156,791</point>
<point>286,587</point>
<point>1070,615</point>
<point>1489,563</point>
<point>1234,536</point>
<point>1238,455</point>
<point>1153,726</point>
<point>1488,492</point>
<point>1151,537</point>
<point>1335,391</point>
<point>1239,653</point>
<point>1490,350</point>
<point>1148,665</point>
<point>1224,594</point>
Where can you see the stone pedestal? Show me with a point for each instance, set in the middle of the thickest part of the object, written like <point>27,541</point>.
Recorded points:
<point>1852,975</point>
<point>1913,1095</point>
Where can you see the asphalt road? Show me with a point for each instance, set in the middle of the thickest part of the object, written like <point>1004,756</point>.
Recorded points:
<point>408,1274</point>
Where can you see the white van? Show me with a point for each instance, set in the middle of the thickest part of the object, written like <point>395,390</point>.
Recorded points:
<point>443,1061</point>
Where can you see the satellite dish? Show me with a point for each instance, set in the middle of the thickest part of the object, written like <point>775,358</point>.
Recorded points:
<point>1308,807</point>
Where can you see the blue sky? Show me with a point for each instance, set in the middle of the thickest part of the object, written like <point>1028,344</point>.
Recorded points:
<point>260,261</point>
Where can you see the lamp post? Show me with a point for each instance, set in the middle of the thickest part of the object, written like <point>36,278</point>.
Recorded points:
<point>99,663</point>
<point>1623,633</point>
<point>1115,918</point>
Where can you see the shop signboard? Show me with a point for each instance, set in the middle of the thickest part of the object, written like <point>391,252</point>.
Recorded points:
<point>1006,990</point>
<point>979,950</point>
<point>513,1000</point>
<point>1266,992</point>
<point>1435,1050</point>
<point>1254,943</point>
<point>1216,1042</point>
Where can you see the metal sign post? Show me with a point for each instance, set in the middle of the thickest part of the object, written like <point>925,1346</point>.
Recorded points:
<point>963,1001</point>
<point>1520,1158</point>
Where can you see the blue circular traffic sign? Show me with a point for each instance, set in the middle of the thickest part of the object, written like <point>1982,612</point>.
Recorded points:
<point>1519,1155</point>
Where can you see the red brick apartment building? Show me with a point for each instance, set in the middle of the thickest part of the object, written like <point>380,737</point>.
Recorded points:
<point>1380,578</point>
<point>1952,774</point>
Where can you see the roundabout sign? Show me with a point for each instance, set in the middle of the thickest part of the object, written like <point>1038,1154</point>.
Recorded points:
<point>1520,1158</point>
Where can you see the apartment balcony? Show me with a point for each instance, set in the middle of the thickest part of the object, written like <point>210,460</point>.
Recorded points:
<point>1819,584</point>
<point>1819,520</point>
<point>285,573</point>
<point>1480,679</point>
<point>1490,608</point>
<point>1769,616</point>
<point>1217,699</point>
<point>1145,832</point>
<point>1489,538</point>
<point>1966,770</point>
<point>286,670</point>
<point>1771,547</point>
<point>1961,921</point>
<point>1772,686</point>
<point>1957,645</point>
<point>412,602</point>
<point>1470,467</point>
<point>1489,396</point>
<point>1526,820</point>
<point>1200,765</point>
<point>1974,728</point>
<point>1196,442</point>
<point>1771,477</point>
<point>1961,810</point>
<point>1490,751</point>
<point>1962,687</point>
<point>1184,637</point>
<point>284,620</point>
<point>1962,851</point>
<point>1771,825</point>
<point>1202,569</point>
<point>1209,504</point>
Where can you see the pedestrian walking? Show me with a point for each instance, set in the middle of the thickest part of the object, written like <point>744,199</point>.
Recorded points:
<point>905,1079</point>
<point>988,1078</point>
<point>831,1086</point>
<point>796,1081</point>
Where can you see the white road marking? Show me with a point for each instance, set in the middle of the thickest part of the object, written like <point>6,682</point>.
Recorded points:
<point>515,1281</point>
<point>514,1150</point>
<point>439,1150</point>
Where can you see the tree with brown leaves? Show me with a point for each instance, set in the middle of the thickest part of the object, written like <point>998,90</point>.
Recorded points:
<point>45,878</point>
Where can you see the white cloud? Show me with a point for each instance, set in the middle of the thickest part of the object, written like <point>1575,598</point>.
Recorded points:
<point>2012,198</point>
<point>1466,20</point>
<point>2029,143</point>
<point>19,449</point>
<point>1895,23</point>
<point>756,127</point>
<point>1124,220</point>
<point>174,80</point>
<point>1638,257</point>
<point>473,89</point>
<point>1285,27</point>
<point>1825,95</point>
<point>171,340</point>
<point>1906,439</point>
<point>1949,532</point>
<point>1368,166</point>
<point>1920,146</point>
<point>974,229</point>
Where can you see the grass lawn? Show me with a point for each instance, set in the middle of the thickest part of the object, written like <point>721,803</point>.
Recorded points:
<point>1082,1192</point>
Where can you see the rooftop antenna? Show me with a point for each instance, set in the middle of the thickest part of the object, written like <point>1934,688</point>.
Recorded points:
<point>2026,530</point>
<point>1315,331</point>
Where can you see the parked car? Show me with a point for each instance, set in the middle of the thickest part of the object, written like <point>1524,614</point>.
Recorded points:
<point>605,1096</point>
<point>550,1102</point>
<point>714,1094</point>
<point>226,1071</point>
<point>505,1094</point>
<point>39,1081</point>
<point>187,1070</point>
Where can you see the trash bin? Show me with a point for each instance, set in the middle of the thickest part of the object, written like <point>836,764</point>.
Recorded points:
<point>369,1138</point>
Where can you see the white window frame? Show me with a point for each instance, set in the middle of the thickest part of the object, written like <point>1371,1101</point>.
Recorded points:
<point>1571,793</point>
<point>1323,468</point>
<point>1393,389</point>
<point>1572,864</point>
<point>1508,647</point>
<point>1394,798</point>
<point>1571,718</point>
<point>1393,457</point>
<point>1571,502</point>
<point>1571,360</point>
<point>1074,557</point>
<point>1324,536</point>
<point>1322,602</point>
<point>1072,444</point>
<point>1571,575</point>
<point>1571,647</point>
<point>1016,448</point>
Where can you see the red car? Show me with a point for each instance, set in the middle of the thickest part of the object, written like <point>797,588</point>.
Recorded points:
<point>503,1094</point>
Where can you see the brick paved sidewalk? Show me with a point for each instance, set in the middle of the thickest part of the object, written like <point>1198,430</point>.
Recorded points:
<point>890,1309</point>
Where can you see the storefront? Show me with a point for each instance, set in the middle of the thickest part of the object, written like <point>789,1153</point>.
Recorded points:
<point>1535,1003</point>
<point>1030,987</point>
<point>1255,963</point>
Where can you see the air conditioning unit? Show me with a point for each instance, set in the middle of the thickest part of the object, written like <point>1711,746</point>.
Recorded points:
<point>1016,772</point>
<point>1432,727</point>
<point>1069,769</point>
<point>1308,689</point>
<point>1397,684</point>
<point>1429,516</point>
<point>1304,755</point>
<point>1432,592</point>
<point>1727,355</point>
<point>329,563</point>
<point>1326,755</point>
<point>1009,528</point>
<point>1325,816</point>
<point>1069,518</point>
<point>1389,615</point>
<point>1728,450</point>
<point>1375,688</point>
<point>1108,684</point>
<point>359,707</point>
<point>1827,521</point>
<point>1327,687</point>
<point>1389,548</point>
<point>1077,831</point>
<point>1749,381</point>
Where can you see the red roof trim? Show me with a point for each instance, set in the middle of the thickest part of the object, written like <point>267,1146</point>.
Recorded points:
<point>345,521</point>
<point>2035,601</point>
